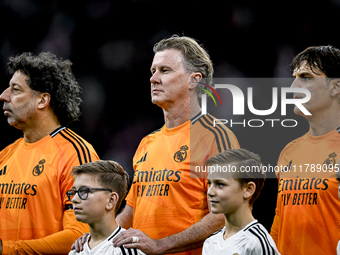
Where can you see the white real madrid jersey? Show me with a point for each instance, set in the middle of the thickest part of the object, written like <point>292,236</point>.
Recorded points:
<point>254,239</point>
<point>106,247</point>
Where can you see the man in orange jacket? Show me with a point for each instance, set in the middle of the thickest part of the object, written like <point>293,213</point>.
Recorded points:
<point>307,213</point>
<point>36,216</point>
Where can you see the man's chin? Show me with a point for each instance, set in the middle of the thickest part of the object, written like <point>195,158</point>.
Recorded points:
<point>157,101</point>
<point>14,123</point>
<point>297,111</point>
<point>11,121</point>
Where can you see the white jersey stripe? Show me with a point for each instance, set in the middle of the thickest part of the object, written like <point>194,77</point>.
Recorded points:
<point>263,234</point>
<point>254,239</point>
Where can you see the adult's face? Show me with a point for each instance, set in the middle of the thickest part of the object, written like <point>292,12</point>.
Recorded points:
<point>170,82</point>
<point>317,84</point>
<point>19,101</point>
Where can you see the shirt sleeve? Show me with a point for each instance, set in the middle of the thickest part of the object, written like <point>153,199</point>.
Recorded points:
<point>274,232</point>
<point>58,243</point>
<point>129,197</point>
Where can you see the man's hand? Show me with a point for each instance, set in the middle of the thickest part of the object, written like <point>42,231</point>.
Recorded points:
<point>79,243</point>
<point>145,243</point>
<point>189,239</point>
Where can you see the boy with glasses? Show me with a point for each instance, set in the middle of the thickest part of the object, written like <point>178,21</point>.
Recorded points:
<point>97,193</point>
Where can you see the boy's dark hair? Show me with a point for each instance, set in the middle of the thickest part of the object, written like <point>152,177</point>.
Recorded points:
<point>238,158</point>
<point>109,174</point>
<point>47,73</point>
<point>322,58</point>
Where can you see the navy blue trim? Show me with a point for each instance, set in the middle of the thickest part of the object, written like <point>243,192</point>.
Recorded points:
<point>195,118</point>
<point>57,131</point>
<point>74,146</point>
<point>81,144</point>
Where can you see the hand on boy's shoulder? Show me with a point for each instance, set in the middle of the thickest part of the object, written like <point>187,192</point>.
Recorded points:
<point>134,238</point>
<point>78,245</point>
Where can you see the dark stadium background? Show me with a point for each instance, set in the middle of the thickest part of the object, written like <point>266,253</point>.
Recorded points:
<point>110,44</point>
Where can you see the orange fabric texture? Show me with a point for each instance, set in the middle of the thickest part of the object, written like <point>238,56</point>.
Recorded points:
<point>307,216</point>
<point>35,214</point>
<point>165,196</point>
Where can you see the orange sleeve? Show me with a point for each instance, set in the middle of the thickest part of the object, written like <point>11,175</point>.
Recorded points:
<point>274,232</point>
<point>129,197</point>
<point>140,151</point>
<point>58,243</point>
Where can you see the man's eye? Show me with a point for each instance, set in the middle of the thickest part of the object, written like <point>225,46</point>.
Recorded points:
<point>305,77</point>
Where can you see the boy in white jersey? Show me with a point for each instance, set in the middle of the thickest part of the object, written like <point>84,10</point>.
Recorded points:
<point>235,181</point>
<point>96,195</point>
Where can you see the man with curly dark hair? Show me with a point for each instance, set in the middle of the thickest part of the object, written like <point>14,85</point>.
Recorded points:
<point>47,73</point>
<point>36,216</point>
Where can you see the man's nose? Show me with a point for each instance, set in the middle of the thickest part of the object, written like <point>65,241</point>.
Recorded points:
<point>5,95</point>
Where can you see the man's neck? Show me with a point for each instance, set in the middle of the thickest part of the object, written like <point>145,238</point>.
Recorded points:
<point>176,115</point>
<point>321,124</point>
<point>40,129</point>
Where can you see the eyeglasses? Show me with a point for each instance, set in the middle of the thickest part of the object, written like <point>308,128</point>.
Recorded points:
<point>83,192</point>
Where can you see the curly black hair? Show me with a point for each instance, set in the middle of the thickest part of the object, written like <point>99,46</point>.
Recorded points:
<point>49,74</point>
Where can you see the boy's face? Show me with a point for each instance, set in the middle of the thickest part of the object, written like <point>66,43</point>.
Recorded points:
<point>226,195</point>
<point>92,209</point>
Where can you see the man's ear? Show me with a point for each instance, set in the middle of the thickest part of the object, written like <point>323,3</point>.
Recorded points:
<point>44,100</point>
<point>195,78</point>
<point>335,87</point>
<point>249,190</point>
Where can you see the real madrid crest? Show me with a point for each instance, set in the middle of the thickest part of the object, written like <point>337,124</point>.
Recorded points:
<point>330,160</point>
<point>182,154</point>
<point>38,169</point>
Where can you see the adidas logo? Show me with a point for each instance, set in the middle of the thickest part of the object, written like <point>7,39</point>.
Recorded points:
<point>142,159</point>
